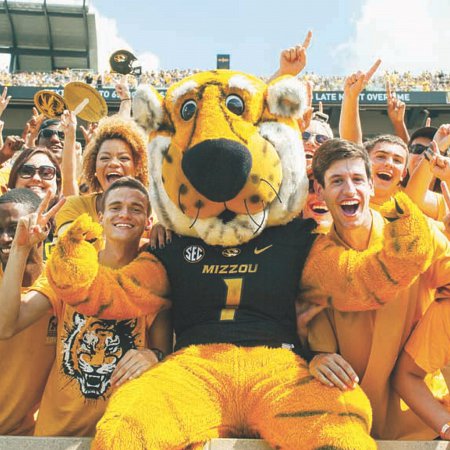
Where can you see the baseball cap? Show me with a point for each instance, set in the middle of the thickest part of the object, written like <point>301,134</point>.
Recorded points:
<point>48,123</point>
<point>426,132</point>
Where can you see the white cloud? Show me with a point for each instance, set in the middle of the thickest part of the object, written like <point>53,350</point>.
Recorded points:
<point>109,40</point>
<point>406,34</point>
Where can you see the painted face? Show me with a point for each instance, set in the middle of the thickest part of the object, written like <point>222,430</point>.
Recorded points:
<point>316,209</point>
<point>125,216</point>
<point>388,167</point>
<point>10,213</point>
<point>52,138</point>
<point>414,160</point>
<point>317,133</point>
<point>114,161</point>
<point>36,174</point>
<point>347,192</point>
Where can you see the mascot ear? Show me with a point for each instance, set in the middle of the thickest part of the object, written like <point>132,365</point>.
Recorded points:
<point>286,97</point>
<point>148,109</point>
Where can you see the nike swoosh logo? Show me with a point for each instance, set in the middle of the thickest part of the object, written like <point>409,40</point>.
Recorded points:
<point>260,250</point>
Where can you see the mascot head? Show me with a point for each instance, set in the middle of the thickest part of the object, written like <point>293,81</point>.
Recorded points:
<point>225,154</point>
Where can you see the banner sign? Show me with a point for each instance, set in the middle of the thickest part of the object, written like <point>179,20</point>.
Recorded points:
<point>380,98</point>
<point>326,97</point>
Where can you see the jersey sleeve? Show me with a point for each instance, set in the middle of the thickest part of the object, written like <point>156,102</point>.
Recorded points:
<point>429,344</point>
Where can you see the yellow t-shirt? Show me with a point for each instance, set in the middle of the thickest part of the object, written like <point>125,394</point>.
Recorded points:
<point>429,344</point>
<point>75,206</point>
<point>88,350</point>
<point>25,363</point>
<point>372,340</point>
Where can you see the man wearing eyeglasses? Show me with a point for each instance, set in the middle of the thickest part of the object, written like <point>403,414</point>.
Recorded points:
<point>52,137</point>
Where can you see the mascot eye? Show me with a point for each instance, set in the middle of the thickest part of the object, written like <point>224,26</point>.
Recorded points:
<point>188,109</point>
<point>235,104</point>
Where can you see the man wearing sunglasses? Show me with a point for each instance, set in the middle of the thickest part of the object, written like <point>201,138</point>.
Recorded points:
<point>419,141</point>
<point>52,137</point>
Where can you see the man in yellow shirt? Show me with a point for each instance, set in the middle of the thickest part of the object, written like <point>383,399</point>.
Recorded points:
<point>25,359</point>
<point>368,341</point>
<point>93,355</point>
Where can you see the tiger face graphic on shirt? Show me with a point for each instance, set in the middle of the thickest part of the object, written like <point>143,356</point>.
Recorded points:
<point>91,350</point>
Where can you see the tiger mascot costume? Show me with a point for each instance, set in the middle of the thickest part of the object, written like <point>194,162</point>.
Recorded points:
<point>228,176</point>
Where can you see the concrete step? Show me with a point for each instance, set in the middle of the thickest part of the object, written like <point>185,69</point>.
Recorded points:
<point>62,443</point>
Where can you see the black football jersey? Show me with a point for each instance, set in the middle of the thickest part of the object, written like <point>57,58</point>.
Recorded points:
<point>244,295</point>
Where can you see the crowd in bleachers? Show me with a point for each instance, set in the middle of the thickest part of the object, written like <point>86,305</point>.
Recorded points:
<point>406,81</point>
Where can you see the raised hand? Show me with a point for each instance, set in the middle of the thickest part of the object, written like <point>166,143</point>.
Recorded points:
<point>293,59</point>
<point>69,124</point>
<point>11,145</point>
<point>32,128</point>
<point>356,82</point>
<point>4,100</point>
<point>395,107</point>
<point>89,132</point>
<point>34,228</point>
<point>442,137</point>
<point>123,89</point>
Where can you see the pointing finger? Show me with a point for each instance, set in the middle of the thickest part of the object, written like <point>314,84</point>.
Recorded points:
<point>373,69</point>
<point>388,89</point>
<point>307,40</point>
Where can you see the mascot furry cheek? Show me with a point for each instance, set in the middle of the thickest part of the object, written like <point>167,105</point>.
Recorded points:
<point>228,174</point>
<point>226,158</point>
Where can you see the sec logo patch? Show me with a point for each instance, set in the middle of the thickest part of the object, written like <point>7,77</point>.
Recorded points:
<point>193,253</point>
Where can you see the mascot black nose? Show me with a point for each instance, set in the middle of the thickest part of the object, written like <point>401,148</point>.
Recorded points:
<point>217,168</point>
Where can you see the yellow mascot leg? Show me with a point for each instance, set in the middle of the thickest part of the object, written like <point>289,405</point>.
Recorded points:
<point>172,406</point>
<point>291,410</point>
<point>221,390</point>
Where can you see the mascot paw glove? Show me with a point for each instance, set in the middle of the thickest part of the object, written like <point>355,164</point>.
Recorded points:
<point>73,264</point>
<point>408,241</point>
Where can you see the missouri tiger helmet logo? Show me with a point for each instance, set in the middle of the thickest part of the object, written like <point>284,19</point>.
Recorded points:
<point>225,154</point>
<point>92,349</point>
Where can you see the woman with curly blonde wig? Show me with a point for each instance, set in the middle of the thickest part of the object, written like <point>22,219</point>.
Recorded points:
<point>117,149</point>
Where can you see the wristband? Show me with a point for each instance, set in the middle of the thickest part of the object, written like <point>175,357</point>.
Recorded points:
<point>125,99</point>
<point>158,353</point>
<point>444,429</point>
